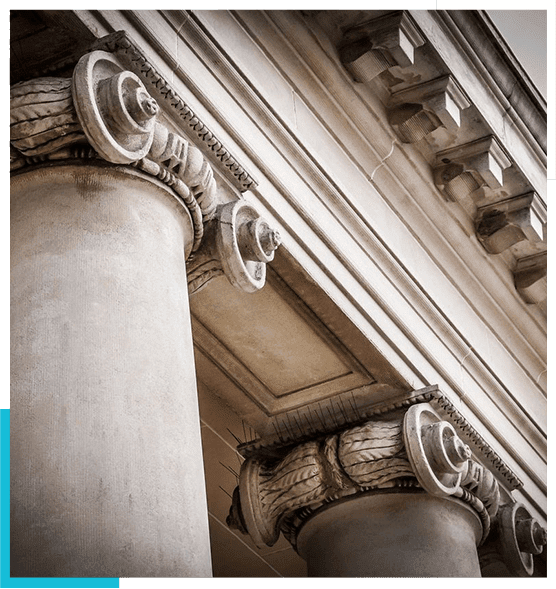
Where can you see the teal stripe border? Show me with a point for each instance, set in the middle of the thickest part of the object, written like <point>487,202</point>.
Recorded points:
<point>5,579</point>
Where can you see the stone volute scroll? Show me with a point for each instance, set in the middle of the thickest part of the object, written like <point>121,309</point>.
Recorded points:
<point>108,111</point>
<point>105,112</point>
<point>117,113</point>
<point>239,243</point>
<point>413,450</point>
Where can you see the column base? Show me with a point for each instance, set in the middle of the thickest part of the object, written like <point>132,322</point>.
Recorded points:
<point>392,534</point>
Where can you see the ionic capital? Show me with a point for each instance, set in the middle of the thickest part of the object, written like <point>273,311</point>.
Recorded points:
<point>109,109</point>
<point>515,539</point>
<point>403,448</point>
<point>105,111</point>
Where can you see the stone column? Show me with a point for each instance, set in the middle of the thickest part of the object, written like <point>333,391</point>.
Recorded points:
<point>107,472</point>
<point>400,534</point>
<point>399,495</point>
<point>107,205</point>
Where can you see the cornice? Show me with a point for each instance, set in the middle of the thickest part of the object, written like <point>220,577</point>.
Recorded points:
<point>467,164</point>
<point>465,372</point>
<point>464,362</point>
<point>502,67</point>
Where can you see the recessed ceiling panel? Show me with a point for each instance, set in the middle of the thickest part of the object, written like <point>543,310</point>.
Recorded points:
<point>269,337</point>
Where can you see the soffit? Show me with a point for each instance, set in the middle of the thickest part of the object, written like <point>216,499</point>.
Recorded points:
<point>287,347</point>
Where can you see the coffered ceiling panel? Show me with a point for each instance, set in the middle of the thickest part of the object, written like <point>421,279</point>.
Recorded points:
<point>272,345</point>
<point>286,355</point>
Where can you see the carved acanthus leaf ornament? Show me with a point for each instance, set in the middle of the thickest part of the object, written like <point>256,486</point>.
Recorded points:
<point>108,109</point>
<point>413,448</point>
<point>358,459</point>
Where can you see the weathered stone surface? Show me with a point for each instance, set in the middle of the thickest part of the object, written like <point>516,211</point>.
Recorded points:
<point>105,427</point>
<point>392,535</point>
<point>419,110</point>
<point>505,223</point>
<point>461,170</point>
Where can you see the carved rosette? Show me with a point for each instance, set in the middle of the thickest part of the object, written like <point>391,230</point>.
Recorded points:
<point>414,448</point>
<point>105,111</point>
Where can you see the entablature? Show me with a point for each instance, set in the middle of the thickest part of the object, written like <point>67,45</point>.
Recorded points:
<point>450,101</point>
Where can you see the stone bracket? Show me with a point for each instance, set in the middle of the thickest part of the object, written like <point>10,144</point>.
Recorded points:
<point>461,170</point>
<point>505,223</point>
<point>476,171</point>
<point>379,44</point>
<point>530,278</point>
<point>419,110</point>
